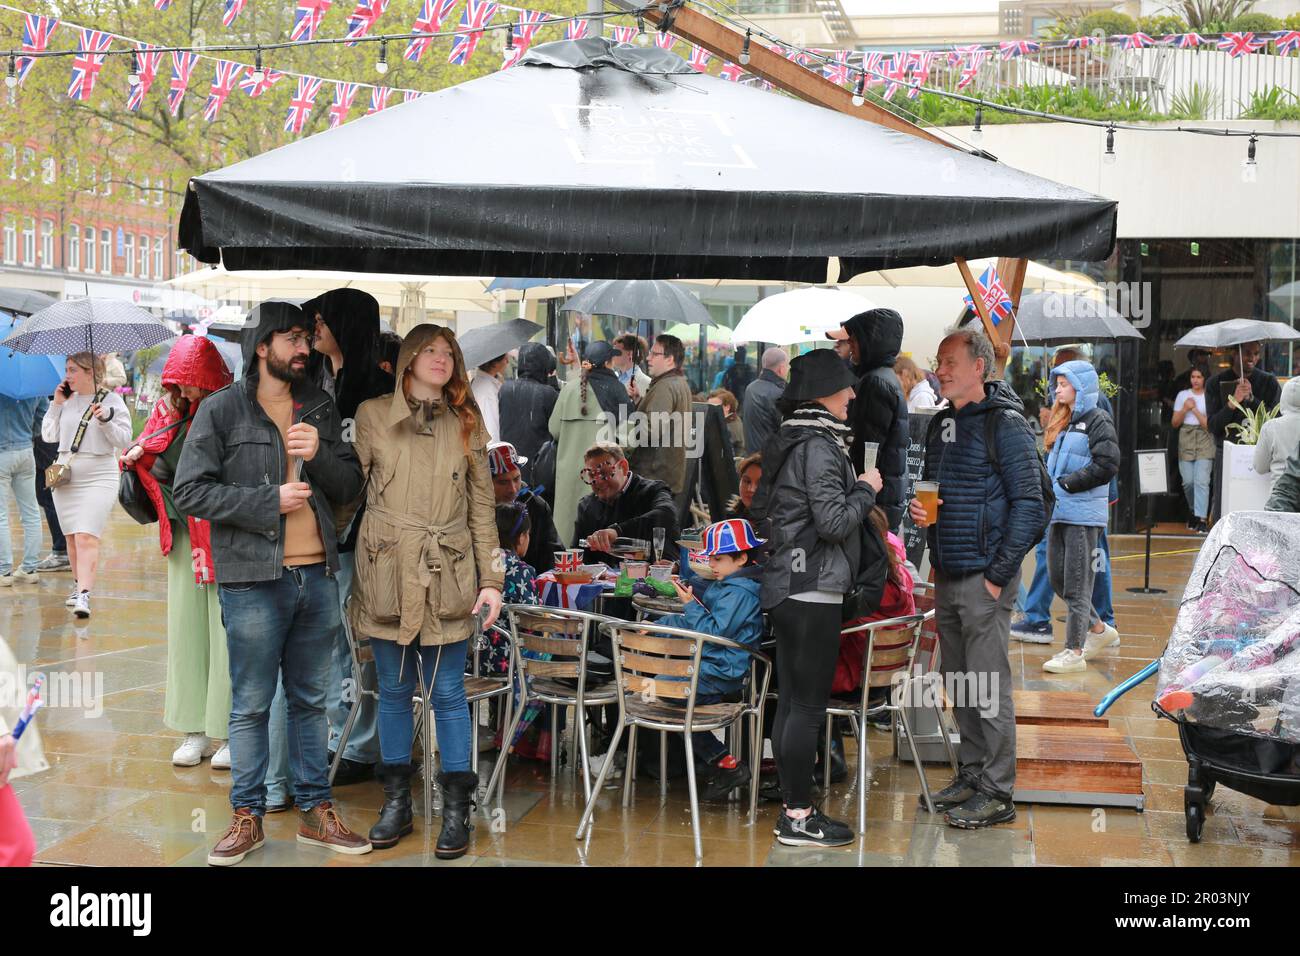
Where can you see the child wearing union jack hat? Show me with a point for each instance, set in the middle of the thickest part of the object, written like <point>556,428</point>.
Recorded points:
<point>728,608</point>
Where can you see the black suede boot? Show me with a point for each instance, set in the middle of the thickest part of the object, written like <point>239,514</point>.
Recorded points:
<point>457,801</point>
<point>395,818</point>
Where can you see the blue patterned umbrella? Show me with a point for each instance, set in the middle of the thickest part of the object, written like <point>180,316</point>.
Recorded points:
<point>88,325</point>
<point>27,376</point>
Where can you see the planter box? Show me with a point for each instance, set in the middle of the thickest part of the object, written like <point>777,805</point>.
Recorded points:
<point>1244,489</point>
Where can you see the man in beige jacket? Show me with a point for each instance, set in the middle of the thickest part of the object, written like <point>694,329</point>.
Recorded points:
<point>663,431</point>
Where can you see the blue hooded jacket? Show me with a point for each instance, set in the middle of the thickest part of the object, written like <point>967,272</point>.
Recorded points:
<point>1085,456</point>
<point>732,611</point>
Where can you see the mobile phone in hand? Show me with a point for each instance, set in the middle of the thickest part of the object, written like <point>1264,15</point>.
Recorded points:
<point>65,389</point>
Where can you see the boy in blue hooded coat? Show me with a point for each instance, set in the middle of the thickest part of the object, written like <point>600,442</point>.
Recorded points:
<point>730,608</point>
<point>1083,457</point>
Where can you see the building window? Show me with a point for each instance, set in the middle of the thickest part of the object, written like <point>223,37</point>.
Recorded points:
<point>47,170</point>
<point>47,243</point>
<point>11,242</point>
<point>11,160</point>
<point>29,163</point>
<point>88,246</point>
<point>108,183</point>
<point>94,181</point>
<point>158,193</point>
<point>128,255</point>
<point>74,248</point>
<point>105,252</point>
<point>72,171</point>
<point>182,263</point>
<point>144,257</point>
<point>144,192</point>
<point>158,258</point>
<point>29,242</point>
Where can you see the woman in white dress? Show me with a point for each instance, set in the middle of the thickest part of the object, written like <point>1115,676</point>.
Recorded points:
<point>83,503</point>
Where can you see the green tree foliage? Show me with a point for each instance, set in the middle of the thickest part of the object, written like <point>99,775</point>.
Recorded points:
<point>1254,23</point>
<point>1108,22</point>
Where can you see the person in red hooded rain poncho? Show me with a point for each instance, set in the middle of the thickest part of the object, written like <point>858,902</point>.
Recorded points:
<point>198,673</point>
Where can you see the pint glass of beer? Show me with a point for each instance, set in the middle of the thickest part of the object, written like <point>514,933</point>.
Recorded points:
<point>927,492</point>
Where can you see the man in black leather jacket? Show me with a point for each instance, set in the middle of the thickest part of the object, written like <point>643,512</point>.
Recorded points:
<point>622,505</point>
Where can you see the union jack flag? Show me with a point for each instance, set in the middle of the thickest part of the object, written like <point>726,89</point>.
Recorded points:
<point>363,19</point>
<point>1136,41</point>
<point>732,72</point>
<point>624,34</point>
<point>971,69</point>
<point>429,21</point>
<point>895,74</point>
<point>1184,41</point>
<point>837,68</point>
<point>665,41</point>
<point>230,10</point>
<point>307,19</point>
<point>344,94</point>
<point>37,31</point>
<point>409,96</point>
<point>530,21</point>
<point>699,59</point>
<point>919,62</point>
<point>162,4</point>
<point>150,58</point>
<point>959,54</point>
<point>300,106</point>
<point>255,87</point>
<point>1080,43</point>
<point>1014,48</point>
<point>1238,43</point>
<point>1287,42</point>
<point>476,15</point>
<point>576,30</point>
<point>223,81</point>
<point>871,67</point>
<point>378,99</point>
<point>182,67</point>
<point>86,64</point>
<point>993,294</point>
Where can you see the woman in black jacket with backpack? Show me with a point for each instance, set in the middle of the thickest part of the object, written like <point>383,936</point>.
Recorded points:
<point>812,507</point>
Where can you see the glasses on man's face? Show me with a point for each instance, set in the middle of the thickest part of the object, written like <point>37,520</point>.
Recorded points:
<point>298,340</point>
<point>590,475</point>
<point>653,354</point>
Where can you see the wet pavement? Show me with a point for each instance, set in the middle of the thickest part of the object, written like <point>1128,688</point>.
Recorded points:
<point>112,796</point>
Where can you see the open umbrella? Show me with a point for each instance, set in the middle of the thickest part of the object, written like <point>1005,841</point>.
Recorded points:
<point>640,299</point>
<point>27,376</point>
<point>799,316</point>
<point>24,301</point>
<point>491,341</point>
<point>1055,318</point>
<point>89,325</point>
<point>1222,335</point>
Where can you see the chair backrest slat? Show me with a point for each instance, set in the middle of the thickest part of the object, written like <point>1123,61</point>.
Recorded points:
<point>648,687</point>
<point>654,666</point>
<point>543,623</point>
<point>535,668</point>
<point>562,647</point>
<point>670,646</point>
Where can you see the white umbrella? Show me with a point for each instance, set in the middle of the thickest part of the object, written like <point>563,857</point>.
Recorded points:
<point>801,316</point>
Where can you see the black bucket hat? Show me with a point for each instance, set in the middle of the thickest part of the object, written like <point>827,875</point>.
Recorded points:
<point>817,374</point>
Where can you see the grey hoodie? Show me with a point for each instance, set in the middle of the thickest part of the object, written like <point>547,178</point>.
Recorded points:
<point>1280,438</point>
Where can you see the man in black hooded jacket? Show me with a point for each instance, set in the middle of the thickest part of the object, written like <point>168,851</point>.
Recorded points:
<point>526,403</point>
<point>346,356</point>
<point>879,412</point>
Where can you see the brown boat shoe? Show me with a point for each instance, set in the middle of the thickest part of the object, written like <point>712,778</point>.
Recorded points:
<point>322,826</point>
<point>242,838</point>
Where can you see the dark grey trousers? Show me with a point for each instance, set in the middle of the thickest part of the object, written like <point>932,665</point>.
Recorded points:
<point>974,633</point>
<point>1072,563</point>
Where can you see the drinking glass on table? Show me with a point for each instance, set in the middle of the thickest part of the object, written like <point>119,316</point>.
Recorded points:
<point>659,535</point>
<point>927,492</point>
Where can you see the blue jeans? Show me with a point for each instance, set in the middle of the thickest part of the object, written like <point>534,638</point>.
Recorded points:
<point>363,740</point>
<point>444,668</point>
<point>281,630</point>
<point>1196,484</point>
<point>18,471</point>
<point>1036,603</point>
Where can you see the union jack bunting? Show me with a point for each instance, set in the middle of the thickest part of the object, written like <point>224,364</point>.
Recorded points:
<point>363,19</point>
<point>1079,43</point>
<point>87,63</point>
<point>231,9</point>
<point>1288,42</point>
<point>1136,41</point>
<point>624,34</point>
<point>919,62</point>
<point>344,94</point>
<point>378,99</point>
<point>409,96</point>
<point>300,106</point>
<point>37,31</point>
<point>1235,44</point>
<point>895,74</point>
<point>432,14</point>
<point>871,65</point>
<point>255,87</point>
<point>836,69</point>
<point>1013,48</point>
<point>530,21</point>
<point>699,59</point>
<point>732,72</point>
<point>576,30</point>
<point>960,54</point>
<point>994,295</point>
<point>971,69</point>
<point>1184,41</point>
<point>476,15</point>
<point>182,67</point>
<point>150,58</point>
<point>665,41</point>
<point>223,81</point>
<point>307,19</point>
<point>162,4</point>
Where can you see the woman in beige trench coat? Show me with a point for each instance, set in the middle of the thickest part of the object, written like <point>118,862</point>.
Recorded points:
<point>426,565</point>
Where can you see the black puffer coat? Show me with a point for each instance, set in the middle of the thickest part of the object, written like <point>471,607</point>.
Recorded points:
<point>879,412</point>
<point>526,403</point>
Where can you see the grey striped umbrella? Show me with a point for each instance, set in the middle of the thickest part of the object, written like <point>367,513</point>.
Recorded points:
<point>88,325</point>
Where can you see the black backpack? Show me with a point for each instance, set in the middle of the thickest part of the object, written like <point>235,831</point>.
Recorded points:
<point>991,447</point>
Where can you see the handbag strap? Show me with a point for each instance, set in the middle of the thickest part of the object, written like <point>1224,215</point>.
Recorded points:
<point>162,431</point>
<point>85,421</point>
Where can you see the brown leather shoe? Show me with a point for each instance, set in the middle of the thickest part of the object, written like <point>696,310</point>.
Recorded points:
<point>243,837</point>
<point>321,826</point>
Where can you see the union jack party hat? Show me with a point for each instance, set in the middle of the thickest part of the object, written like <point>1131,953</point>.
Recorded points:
<point>503,459</point>
<point>730,537</point>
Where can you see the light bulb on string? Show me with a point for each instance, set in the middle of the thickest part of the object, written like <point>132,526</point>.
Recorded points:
<point>744,51</point>
<point>642,38</point>
<point>977,132</point>
<point>858,97</point>
<point>381,65</point>
<point>510,38</point>
<point>259,74</point>
<point>1108,157</point>
<point>1250,150</point>
<point>11,78</point>
<point>133,78</point>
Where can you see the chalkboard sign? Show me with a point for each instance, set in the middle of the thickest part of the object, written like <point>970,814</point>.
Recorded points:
<point>913,537</point>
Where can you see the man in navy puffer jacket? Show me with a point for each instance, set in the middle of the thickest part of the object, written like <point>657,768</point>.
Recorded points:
<point>989,519</point>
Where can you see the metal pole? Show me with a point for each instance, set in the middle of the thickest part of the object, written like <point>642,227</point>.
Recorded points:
<point>596,25</point>
<point>1146,575</point>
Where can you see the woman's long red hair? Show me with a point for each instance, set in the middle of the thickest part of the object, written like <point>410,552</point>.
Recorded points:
<point>456,392</point>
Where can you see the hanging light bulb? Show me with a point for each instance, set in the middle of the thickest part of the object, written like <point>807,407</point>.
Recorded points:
<point>1108,157</point>
<point>858,97</point>
<point>258,73</point>
<point>133,78</point>
<point>1250,150</point>
<point>11,78</point>
<point>642,38</point>
<point>977,133</point>
<point>744,51</point>
<point>510,38</point>
<point>381,65</point>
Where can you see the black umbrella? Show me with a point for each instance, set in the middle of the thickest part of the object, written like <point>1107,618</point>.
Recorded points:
<point>1056,318</point>
<point>492,341</point>
<point>24,301</point>
<point>88,325</point>
<point>637,167</point>
<point>640,299</point>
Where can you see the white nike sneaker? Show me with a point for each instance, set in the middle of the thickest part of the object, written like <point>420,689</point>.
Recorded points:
<point>192,750</point>
<point>1096,643</point>
<point>221,759</point>
<point>1066,662</point>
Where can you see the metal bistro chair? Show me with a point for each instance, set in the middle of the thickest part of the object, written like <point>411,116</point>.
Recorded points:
<point>560,639</point>
<point>360,653</point>
<point>654,664</point>
<point>900,694</point>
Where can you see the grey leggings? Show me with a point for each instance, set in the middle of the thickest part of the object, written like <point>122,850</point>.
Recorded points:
<point>1072,556</point>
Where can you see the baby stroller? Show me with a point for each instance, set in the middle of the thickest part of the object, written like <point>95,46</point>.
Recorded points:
<point>1230,674</point>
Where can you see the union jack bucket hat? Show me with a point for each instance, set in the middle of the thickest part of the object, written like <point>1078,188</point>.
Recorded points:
<point>730,537</point>
<point>503,459</point>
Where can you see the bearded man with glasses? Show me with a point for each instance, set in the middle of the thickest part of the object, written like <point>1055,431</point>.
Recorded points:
<point>621,505</point>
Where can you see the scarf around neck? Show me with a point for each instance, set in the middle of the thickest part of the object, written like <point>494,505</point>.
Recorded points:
<point>816,416</point>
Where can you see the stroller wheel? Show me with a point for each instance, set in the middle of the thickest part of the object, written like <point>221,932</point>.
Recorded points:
<point>1194,810</point>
